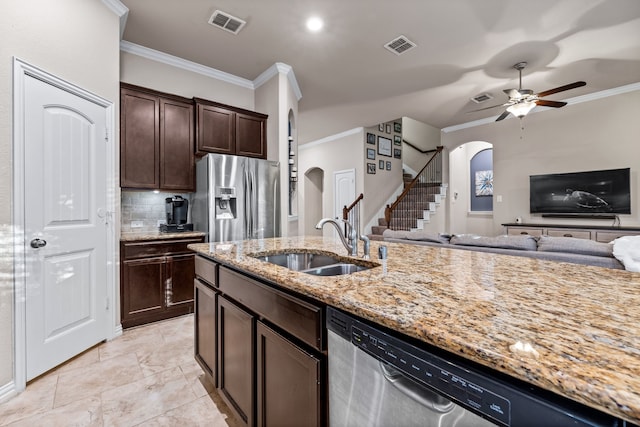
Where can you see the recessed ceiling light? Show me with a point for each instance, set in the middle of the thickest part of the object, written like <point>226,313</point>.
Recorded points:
<point>314,24</point>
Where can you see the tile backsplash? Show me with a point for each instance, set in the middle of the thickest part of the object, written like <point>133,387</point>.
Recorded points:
<point>145,206</point>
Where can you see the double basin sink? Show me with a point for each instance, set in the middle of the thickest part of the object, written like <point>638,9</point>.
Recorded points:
<point>315,264</point>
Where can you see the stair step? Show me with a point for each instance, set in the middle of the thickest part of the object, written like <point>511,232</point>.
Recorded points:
<point>377,229</point>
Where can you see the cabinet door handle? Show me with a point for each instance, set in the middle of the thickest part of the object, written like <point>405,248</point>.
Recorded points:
<point>523,232</point>
<point>568,235</point>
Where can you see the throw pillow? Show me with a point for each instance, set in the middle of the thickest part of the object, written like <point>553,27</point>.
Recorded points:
<point>518,242</point>
<point>575,246</point>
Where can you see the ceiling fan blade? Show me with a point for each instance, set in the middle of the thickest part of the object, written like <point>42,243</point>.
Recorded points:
<point>486,108</point>
<point>554,104</point>
<point>502,116</point>
<point>561,88</point>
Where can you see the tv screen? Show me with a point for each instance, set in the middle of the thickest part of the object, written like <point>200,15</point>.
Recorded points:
<point>594,192</point>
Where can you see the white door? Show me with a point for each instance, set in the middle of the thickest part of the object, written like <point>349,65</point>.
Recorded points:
<point>65,196</point>
<point>344,190</point>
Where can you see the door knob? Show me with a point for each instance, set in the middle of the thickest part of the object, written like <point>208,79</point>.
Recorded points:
<point>38,243</point>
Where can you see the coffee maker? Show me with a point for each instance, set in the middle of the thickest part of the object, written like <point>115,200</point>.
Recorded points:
<point>177,208</point>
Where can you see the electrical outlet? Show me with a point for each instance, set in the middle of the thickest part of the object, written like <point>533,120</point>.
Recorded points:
<point>137,224</point>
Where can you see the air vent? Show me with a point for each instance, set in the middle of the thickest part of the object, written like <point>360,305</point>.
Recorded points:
<point>479,99</point>
<point>400,45</point>
<point>226,22</point>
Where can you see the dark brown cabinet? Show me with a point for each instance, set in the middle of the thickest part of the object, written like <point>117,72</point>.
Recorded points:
<point>236,358</point>
<point>270,351</point>
<point>229,130</point>
<point>156,140</point>
<point>156,280</point>
<point>288,382</point>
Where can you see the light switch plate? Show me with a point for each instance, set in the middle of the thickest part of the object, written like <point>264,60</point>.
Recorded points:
<point>137,224</point>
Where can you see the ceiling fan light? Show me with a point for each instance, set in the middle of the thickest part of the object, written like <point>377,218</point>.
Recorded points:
<point>521,109</point>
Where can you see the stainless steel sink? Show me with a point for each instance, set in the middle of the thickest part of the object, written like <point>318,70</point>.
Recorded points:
<point>316,264</point>
<point>336,269</point>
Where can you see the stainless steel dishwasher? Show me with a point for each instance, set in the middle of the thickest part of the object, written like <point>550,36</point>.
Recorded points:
<point>376,379</point>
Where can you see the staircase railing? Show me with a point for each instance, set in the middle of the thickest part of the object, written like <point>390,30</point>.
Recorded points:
<point>351,214</point>
<point>416,195</point>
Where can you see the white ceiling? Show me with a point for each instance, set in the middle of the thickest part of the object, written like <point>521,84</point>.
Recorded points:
<point>464,48</point>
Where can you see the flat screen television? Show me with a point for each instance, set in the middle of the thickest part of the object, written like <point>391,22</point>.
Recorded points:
<point>582,193</point>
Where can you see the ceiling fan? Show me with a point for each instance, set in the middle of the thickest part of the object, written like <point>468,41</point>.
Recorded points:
<point>521,101</point>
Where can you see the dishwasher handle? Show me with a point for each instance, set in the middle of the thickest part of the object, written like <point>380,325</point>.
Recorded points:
<point>414,390</point>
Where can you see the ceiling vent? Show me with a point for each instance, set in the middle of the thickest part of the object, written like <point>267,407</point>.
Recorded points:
<point>226,22</point>
<point>479,99</point>
<point>400,45</point>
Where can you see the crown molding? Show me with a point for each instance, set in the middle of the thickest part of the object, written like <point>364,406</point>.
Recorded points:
<point>177,62</point>
<point>330,138</point>
<point>120,10</point>
<point>279,68</point>
<point>570,101</point>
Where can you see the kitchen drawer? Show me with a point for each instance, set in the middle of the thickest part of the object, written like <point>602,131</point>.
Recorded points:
<point>536,232</point>
<point>559,232</point>
<point>297,317</point>
<point>206,270</point>
<point>149,248</point>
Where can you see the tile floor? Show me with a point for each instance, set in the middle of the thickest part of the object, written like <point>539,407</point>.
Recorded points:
<point>146,377</point>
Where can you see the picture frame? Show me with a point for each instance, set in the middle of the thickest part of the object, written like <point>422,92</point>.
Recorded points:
<point>388,165</point>
<point>371,168</point>
<point>371,154</point>
<point>384,146</point>
<point>371,138</point>
<point>397,127</point>
<point>381,164</point>
<point>397,153</point>
<point>381,127</point>
<point>484,183</point>
<point>388,128</point>
<point>397,140</point>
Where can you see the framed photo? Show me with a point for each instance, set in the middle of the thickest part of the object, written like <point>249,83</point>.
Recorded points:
<point>388,166</point>
<point>397,127</point>
<point>381,127</point>
<point>371,138</point>
<point>397,153</point>
<point>371,154</point>
<point>371,168</point>
<point>381,164</point>
<point>484,183</point>
<point>397,140</point>
<point>384,146</point>
<point>388,128</point>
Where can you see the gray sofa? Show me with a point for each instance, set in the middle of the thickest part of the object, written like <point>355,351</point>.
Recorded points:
<point>564,249</point>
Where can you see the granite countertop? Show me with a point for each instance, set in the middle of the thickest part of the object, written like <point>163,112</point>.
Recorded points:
<point>158,235</point>
<point>568,328</point>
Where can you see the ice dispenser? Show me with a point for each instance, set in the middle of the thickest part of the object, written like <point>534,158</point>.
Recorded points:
<point>225,203</point>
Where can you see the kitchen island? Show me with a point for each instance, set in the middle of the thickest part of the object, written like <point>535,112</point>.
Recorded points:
<point>571,329</point>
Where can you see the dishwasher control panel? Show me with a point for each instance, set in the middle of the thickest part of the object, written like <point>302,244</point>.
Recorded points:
<point>496,398</point>
<point>429,370</point>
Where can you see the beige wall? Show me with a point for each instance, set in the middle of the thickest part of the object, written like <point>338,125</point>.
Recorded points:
<point>156,75</point>
<point>600,134</point>
<point>331,155</point>
<point>421,135</point>
<point>76,40</point>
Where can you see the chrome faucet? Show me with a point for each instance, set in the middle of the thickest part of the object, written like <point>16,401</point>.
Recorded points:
<point>352,244</point>
<point>367,244</point>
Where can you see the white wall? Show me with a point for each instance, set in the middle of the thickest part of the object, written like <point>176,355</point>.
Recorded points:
<point>459,193</point>
<point>421,135</point>
<point>599,134</point>
<point>141,71</point>
<point>340,152</point>
<point>76,40</point>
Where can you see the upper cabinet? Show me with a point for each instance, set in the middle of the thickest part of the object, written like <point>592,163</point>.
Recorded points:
<point>156,140</point>
<point>229,130</point>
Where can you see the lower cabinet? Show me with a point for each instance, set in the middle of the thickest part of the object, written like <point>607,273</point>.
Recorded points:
<point>270,356</point>
<point>156,280</point>
<point>288,382</point>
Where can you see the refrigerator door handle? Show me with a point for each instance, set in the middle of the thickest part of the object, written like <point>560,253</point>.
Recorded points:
<point>248,196</point>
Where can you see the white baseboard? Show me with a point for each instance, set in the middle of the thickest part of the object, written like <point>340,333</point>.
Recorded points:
<point>8,391</point>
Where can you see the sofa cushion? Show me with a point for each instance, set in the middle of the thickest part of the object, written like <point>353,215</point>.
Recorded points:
<point>575,246</point>
<point>422,236</point>
<point>519,242</point>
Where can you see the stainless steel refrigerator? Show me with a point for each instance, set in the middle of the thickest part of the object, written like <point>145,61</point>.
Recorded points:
<point>237,198</point>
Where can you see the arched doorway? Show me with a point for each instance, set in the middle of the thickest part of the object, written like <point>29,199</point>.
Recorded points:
<point>313,208</point>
